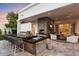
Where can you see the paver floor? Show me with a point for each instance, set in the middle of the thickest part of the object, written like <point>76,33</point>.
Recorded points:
<point>59,49</point>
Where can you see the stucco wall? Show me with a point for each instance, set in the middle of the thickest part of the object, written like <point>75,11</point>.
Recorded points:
<point>35,27</point>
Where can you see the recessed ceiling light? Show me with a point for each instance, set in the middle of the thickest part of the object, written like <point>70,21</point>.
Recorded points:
<point>49,13</point>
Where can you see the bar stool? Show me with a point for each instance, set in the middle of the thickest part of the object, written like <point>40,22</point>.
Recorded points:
<point>17,44</point>
<point>9,39</point>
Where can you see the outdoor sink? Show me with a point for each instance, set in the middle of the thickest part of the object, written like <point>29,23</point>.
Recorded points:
<point>37,38</point>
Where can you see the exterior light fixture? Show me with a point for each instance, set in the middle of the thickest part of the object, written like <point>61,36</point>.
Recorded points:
<point>49,13</point>
<point>51,26</point>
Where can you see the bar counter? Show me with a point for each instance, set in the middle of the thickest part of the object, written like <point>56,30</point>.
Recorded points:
<point>35,46</point>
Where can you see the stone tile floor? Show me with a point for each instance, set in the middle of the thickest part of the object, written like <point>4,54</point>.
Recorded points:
<point>59,49</point>
<point>4,48</point>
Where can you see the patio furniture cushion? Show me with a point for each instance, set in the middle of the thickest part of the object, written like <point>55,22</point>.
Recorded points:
<point>53,36</point>
<point>28,34</point>
<point>21,35</point>
<point>61,37</point>
<point>72,39</point>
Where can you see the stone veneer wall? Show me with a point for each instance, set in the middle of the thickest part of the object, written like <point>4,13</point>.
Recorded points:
<point>42,24</point>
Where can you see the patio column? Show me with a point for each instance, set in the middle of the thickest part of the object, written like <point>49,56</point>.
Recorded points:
<point>18,26</point>
<point>77,27</point>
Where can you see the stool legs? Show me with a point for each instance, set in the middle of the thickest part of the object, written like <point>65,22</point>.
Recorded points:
<point>15,48</point>
<point>23,47</point>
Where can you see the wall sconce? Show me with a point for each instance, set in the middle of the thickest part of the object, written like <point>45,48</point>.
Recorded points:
<point>51,26</point>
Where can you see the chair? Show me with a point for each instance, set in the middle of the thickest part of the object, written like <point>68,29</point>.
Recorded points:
<point>53,36</point>
<point>72,39</point>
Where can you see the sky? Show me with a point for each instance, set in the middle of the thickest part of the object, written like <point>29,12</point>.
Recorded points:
<point>8,7</point>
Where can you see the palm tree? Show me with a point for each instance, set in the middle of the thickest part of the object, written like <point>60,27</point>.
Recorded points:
<point>12,17</point>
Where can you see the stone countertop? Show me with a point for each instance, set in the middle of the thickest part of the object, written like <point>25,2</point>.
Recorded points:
<point>34,40</point>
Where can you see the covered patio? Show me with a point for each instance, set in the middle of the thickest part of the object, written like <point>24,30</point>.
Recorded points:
<point>46,32</point>
<point>61,20</point>
<point>60,24</point>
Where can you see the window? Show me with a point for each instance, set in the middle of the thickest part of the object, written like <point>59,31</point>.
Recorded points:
<point>26,27</point>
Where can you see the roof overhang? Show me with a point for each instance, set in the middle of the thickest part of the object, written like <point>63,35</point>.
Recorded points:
<point>58,12</point>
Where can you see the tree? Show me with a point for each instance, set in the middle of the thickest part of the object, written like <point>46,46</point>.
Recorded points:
<point>12,17</point>
<point>7,25</point>
<point>0,32</point>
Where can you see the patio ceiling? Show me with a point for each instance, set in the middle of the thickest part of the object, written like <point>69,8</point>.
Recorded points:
<point>64,13</point>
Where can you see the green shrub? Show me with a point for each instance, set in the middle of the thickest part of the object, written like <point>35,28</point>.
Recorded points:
<point>1,36</point>
<point>0,32</point>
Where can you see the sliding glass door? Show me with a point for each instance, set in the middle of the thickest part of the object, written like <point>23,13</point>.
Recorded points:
<point>65,29</point>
